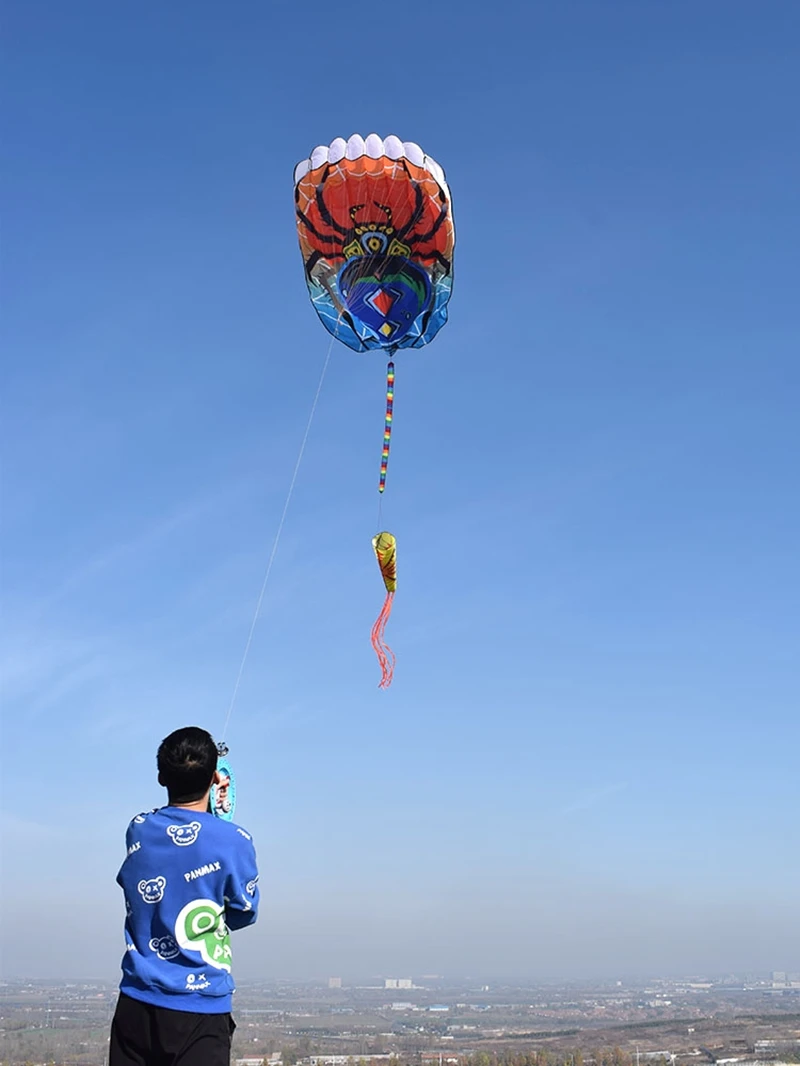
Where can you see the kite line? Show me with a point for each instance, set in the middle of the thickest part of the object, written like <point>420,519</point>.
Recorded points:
<point>276,541</point>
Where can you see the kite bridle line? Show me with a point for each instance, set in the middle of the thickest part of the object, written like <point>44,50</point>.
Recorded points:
<point>276,541</point>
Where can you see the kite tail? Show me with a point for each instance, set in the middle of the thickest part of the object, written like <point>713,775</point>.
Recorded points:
<point>382,649</point>
<point>387,426</point>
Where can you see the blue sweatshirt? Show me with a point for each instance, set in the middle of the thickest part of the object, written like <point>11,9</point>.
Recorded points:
<point>188,878</point>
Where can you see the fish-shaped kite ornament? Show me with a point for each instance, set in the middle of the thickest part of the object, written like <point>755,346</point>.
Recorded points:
<point>385,548</point>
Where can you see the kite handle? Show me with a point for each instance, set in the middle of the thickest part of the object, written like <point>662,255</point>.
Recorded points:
<point>222,797</point>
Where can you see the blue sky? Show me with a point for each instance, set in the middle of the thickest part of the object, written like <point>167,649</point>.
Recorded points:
<point>587,763</point>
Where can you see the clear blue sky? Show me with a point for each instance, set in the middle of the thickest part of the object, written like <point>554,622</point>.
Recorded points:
<point>588,762</point>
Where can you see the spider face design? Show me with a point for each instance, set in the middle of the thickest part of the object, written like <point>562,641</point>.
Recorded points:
<point>376,242</point>
<point>373,238</point>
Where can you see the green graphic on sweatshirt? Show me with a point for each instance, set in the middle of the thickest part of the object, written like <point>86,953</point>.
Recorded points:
<point>200,926</point>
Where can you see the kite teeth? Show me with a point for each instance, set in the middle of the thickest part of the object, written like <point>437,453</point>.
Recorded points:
<point>414,153</point>
<point>438,173</point>
<point>355,147</point>
<point>337,150</point>
<point>374,146</point>
<point>393,147</point>
<point>319,156</point>
<point>301,170</point>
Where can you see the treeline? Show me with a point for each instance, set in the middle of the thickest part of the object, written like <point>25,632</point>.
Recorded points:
<point>613,1056</point>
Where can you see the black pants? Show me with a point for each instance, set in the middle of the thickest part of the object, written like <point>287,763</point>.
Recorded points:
<point>144,1035</point>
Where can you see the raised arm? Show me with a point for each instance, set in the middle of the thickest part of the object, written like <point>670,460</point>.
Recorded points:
<point>241,886</point>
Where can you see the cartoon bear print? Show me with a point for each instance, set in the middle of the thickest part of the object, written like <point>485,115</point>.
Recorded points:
<point>152,891</point>
<point>166,947</point>
<point>183,835</point>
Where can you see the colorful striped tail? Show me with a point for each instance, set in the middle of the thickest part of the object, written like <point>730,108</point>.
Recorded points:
<point>387,427</point>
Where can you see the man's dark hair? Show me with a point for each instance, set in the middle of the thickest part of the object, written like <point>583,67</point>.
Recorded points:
<point>186,762</point>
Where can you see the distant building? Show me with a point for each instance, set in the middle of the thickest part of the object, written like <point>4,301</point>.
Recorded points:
<point>344,1060</point>
<point>398,982</point>
<point>771,1048</point>
<point>334,982</point>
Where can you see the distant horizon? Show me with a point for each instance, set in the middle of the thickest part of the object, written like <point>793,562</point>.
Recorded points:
<point>506,981</point>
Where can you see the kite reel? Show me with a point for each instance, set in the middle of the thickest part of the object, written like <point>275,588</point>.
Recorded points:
<point>222,800</point>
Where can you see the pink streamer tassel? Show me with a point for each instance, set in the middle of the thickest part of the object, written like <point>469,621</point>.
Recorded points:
<point>382,649</point>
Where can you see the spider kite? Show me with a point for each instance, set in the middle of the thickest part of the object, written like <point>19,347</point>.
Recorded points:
<point>376,234</point>
<point>375,225</point>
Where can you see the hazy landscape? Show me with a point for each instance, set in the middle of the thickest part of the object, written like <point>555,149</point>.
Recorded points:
<point>734,1019</point>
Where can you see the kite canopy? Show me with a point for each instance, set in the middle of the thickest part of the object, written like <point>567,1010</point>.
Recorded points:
<point>376,233</point>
